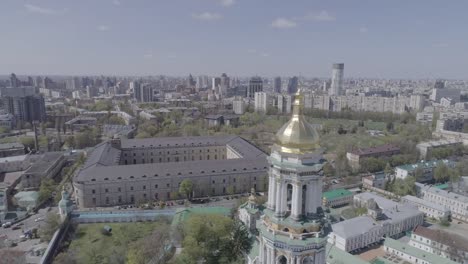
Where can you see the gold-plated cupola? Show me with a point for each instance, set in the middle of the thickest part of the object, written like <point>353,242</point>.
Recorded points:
<point>297,135</point>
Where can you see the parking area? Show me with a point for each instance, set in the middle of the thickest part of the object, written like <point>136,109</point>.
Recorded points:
<point>15,232</point>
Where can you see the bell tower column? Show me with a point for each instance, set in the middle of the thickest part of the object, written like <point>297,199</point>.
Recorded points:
<point>271,192</point>
<point>281,197</point>
<point>296,209</point>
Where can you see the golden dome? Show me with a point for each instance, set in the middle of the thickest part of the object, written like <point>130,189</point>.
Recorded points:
<point>297,135</point>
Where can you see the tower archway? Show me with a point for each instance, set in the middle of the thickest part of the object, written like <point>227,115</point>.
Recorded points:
<point>289,192</point>
<point>281,260</point>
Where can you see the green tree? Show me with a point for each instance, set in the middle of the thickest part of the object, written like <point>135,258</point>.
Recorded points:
<point>52,223</point>
<point>186,187</point>
<point>70,141</point>
<point>419,173</point>
<point>46,189</point>
<point>372,165</point>
<point>441,172</point>
<point>213,239</point>
<point>150,249</point>
<point>230,190</point>
<point>388,169</point>
<point>28,142</point>
<point>174,195</point>
<point>404,187</point>
<point>328,170</point>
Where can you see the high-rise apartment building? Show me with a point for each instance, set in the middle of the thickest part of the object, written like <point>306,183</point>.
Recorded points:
<point>337,79</point>
<point>277,85</point>
<point>262,101</point>
<point>238,105</point>
<point>255,85</point>
<point>24,103</point>
<point>215,83</point>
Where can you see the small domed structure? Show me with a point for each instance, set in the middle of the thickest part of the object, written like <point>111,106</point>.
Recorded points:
<point>65,205</point>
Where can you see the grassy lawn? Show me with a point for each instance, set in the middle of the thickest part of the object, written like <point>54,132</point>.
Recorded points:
<point>91,246</point>
<point>331,142</point>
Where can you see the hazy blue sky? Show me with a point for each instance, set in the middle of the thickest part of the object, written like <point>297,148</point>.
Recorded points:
<point>374,38</point>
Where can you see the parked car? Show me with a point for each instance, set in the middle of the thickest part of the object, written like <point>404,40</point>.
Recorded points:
<point>6,225</point>
<point>38,219</point>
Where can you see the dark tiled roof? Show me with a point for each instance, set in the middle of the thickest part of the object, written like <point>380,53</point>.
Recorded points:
<point>171,169</point>
<point>103,161</point>
<point>44,163</point>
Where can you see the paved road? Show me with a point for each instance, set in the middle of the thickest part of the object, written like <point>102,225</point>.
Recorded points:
<point>27,224</point>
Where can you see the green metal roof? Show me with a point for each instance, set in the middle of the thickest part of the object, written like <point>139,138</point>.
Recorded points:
<point>424,165</point>
<point>336,255</point>
<point>442,186</point>
<point>416,252</point>
<point>337,193</point>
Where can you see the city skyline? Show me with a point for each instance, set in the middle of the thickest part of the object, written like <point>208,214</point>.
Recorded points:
<point>377,40</point>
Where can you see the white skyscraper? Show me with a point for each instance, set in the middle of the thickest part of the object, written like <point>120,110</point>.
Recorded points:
<point>337,79</point>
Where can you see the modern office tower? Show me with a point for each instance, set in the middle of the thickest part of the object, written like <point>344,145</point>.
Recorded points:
<point>199,84</point>
<point>142,92</point>
<point>439,84</point>
<point>255,85</point>
<point>215,82</point>
<point>30,81</point>
<point>190,81</point>
<point>135,87</point>
<point>238,105</point>
<point>277,85</point>
<point>325,86</point>
<point>91,91</point>
<point>337,79</point>
<point>224,84</point>
<point>24,103</point>
<point>292,85</point>
<point>284,103</point>
<point>146,92</point>
<point>47,83</point>
<point>14,82</point>
<point>38,82</point>
<point>73,83</point>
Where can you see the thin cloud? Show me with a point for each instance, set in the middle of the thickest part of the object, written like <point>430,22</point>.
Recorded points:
<point>227,3</point>
<point>265,54</point>
<point>440,45</point>
<point>363,30</point>
<point>103,28</point>
<point>322,16</point>
<point>252,51</point>
<point>148,55</point>
<point>207,16</point>
<point>172,55</point>
<point>42,10</point>
<point>116,2</point>
<point>283,23</point>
